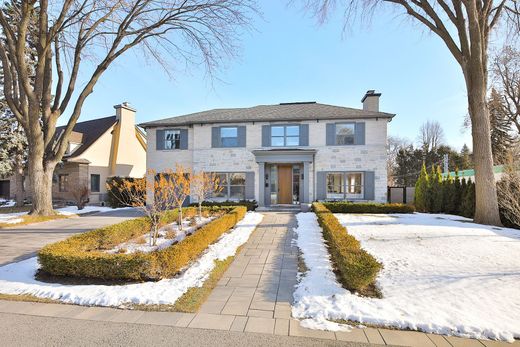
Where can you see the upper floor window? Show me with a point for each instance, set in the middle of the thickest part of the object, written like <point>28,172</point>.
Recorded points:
<point>229,136</point>
<point>285,135</point>
<point>345,134</point>
<point>172,139</point>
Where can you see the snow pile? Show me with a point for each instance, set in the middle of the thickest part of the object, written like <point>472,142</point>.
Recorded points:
<point>13,218</point>
<point>18,278</point>
<point>442,274</point>
<point>162,240</point>
<point>7,203</point>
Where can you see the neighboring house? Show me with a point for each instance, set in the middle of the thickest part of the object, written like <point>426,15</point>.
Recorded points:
<point>98,149</point>
<point>289,153</point>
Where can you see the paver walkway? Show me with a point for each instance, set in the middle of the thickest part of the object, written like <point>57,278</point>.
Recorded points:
<point>253,296</point>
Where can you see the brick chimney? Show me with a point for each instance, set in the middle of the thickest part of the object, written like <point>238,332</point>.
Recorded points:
<point>125,113</point>
<point>371,101</point>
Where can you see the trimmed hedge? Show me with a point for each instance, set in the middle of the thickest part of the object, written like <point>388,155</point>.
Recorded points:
<point>83,255</point>
<point>349,207</point>
<point>251,205</point>
<point>356,268</point>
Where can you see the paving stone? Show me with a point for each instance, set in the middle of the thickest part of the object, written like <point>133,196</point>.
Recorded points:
<point>160,318</point>
<point>211,306</point>
<point>126,316</point>
<point>439,340</point>
<point>54,310</point>
<point>96,313</point>
<point>281,327</point>
<point>282,310</point>
<point>406,338</point>
<point>296,330</point>
<point>239,308</point>
<point>374,336</point>
<point>354,335</point>
<point>262,305</point>
<point>221,294</point>
<point>461,342</point>
<point>239,323</point>
<point>260,313</point>
<point>212,321</point>
<point>491,343</point>
<point>260,325</point>
<point>185,319</point>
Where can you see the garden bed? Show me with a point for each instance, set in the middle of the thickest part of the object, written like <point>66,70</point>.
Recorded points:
<point>442,274</point>
<point>17,280</point>
<point>91,255</point>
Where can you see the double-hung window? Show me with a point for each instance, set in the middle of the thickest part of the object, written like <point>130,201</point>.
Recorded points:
<point>285,135</point>
<point>232,184</point>
<point>95,181</point>
<point>345,134</point>
<point>345,185</point>
<point>63,183</point>
<point>229,136</point>
<point>172,139</point>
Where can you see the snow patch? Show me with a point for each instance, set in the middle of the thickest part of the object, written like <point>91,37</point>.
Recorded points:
<point>18,278</point>
<point>442,274</point>
<point>13,218</point>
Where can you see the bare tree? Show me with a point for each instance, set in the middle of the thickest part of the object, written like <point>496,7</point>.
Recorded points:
<point>431,136</point>
<point>506,77</point>
<point>394,144</point>
<point>71,32</point>
<point>203,186</point>
<point>465,27</point>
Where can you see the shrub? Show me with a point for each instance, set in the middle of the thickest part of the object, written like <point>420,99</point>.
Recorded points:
<point>467,208</point>
<point>251,205</point>
<point>422,200</point>
<point>82,255</point>
<point>435,190</point>
<point>115,196</point>
<point>349,207</point>
<point>356,269</point>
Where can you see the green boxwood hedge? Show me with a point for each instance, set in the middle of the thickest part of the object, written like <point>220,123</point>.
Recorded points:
<point>84,255</point>
<point>349,207</point>
<point>250,204</point>
<point>356,268</point>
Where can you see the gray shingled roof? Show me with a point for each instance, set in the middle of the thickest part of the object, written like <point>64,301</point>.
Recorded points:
<point>267,113</point>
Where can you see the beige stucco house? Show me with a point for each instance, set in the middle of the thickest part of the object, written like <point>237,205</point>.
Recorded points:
<point>285,154</point>
<point>98,149</point>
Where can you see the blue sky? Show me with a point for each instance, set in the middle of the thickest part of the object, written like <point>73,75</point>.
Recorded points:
<point>288,57</point>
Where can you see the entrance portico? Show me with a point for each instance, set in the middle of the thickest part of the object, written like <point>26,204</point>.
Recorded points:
<point>284,176</point>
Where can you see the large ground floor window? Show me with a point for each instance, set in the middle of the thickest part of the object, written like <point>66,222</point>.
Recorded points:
<point>345,185</point>
<point>233,186</point>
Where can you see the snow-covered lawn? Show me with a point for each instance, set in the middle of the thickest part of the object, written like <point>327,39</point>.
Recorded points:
<point>442,274</point>
<point>18,278</point>
<point>168,235</point>
<point>13,218</point>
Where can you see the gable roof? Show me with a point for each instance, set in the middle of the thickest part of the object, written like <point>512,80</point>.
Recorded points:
<point>91,131</point>
<point>297,111</point>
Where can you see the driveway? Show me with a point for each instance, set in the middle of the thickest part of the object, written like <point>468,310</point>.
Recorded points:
<point>19,243</point>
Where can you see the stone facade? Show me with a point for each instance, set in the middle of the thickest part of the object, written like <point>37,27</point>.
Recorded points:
<point>200,156</point>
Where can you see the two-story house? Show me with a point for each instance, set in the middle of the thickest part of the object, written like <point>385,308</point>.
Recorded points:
<point>283,154</point>
<point>97,149</point>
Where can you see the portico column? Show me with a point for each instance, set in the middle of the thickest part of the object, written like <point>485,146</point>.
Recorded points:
<point>261,184</point>
<point>306,182</point>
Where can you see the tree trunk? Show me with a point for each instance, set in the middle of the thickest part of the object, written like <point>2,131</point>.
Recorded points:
<point>486,208</point>
<point>19,186</point>
<point>41,183</point>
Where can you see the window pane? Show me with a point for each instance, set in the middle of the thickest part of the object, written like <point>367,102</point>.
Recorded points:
<point>355,185</point>
<point>277,141</point>
<point>222,178</point>
<point>292,130</point>
<point>229,132</point>
<point>237,179</point>
<point>335,183</point>
<point>237,192</point>
<point>94,183</point>
<point>292,141</point>
<point>345,134</point>
<point>229,142</point>
<point>172,139</point>
<point>277,131</point>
